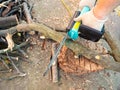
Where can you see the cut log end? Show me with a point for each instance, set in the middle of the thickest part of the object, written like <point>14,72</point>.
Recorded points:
<point>77,66</point>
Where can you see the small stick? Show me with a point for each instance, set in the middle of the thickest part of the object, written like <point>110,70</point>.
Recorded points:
<point>50,75</point>
<point>14,58</point>
<point>55,65</point>
<point>27,12</point>
<point>7,9</point>
<point>4,63</point>
<point>24,54</point>
<point>18,71</point>
<point>44,44</point>
<point>44,41</point>
<point>5,71</point>
<point>16,47</point>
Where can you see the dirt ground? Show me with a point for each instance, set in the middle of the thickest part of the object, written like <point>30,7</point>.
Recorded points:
<point>53,14</point>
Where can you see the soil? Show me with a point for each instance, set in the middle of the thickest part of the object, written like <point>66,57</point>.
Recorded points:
<point>53,14</point>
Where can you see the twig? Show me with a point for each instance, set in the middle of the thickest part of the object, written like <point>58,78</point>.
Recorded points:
<point>24,54</point>
<point>11,12</point>
<point>44,44</point>
<point>27,12</point>
<point>3,4</point>
<point>4,63</point>
<point>14,58</point>
<point>15,47</point>
<point>18,71</point>
<point>7,9</point>
<point>5,71</point>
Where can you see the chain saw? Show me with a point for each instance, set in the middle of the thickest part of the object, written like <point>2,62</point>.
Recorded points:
<point>76,29</point>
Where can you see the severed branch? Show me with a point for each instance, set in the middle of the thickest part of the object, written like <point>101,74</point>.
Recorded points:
<point>9,21</point>
<point>106,62</point>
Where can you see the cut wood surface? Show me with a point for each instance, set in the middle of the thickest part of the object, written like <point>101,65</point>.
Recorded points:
<point>80,65</point>
<point>105,62</point>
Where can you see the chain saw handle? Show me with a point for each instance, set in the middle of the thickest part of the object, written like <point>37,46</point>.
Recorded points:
<point>73,26</point>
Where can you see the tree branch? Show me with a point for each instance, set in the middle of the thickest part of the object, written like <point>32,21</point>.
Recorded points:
<point>106,62</point>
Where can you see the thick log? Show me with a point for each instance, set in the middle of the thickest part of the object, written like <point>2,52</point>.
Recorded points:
<point>6,22</point>
<point>105,62</point>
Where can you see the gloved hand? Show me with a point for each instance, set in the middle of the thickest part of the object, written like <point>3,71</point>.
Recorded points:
<point>88,18</point>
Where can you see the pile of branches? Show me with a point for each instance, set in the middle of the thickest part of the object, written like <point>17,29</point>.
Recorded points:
<point>23,13</point>
<point>12,13</point>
